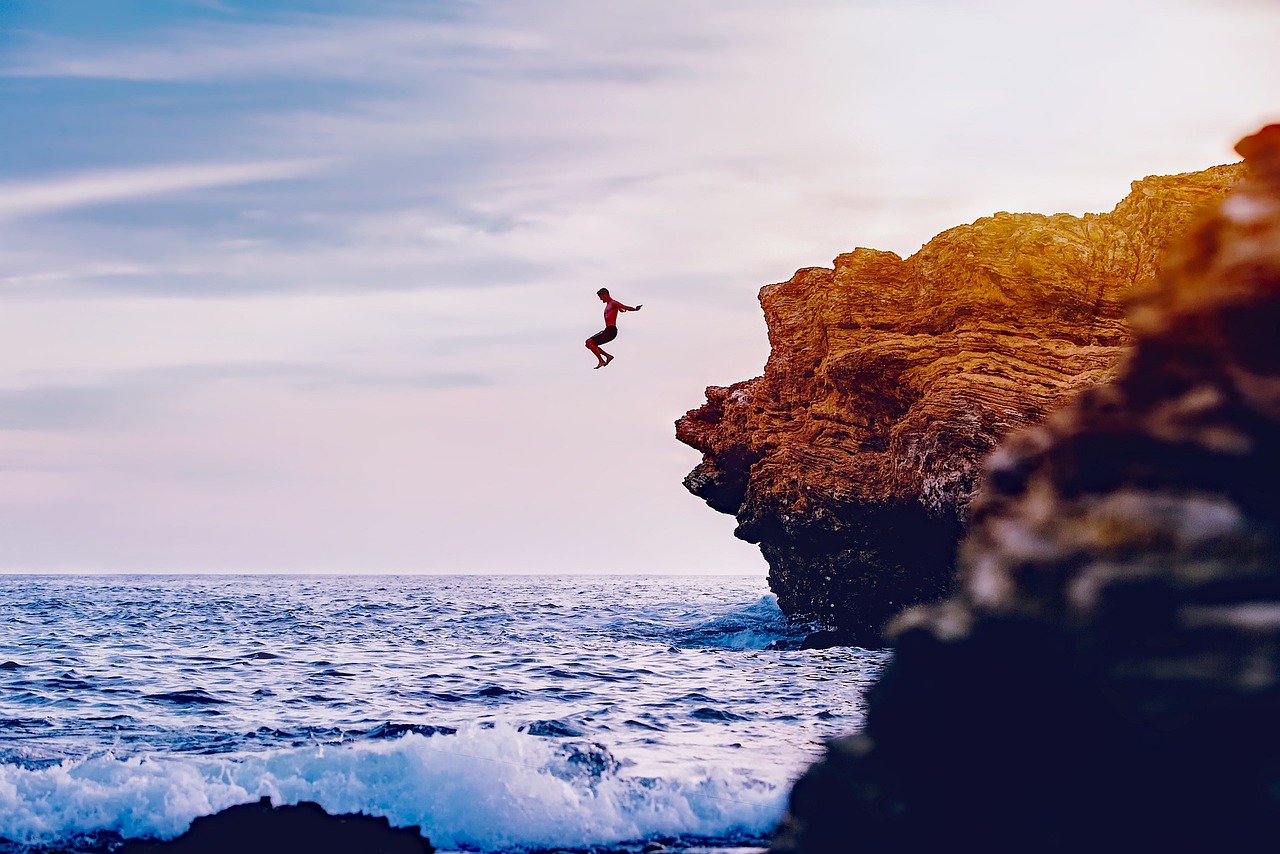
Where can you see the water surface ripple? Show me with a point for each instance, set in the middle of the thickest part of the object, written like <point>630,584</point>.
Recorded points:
<point>624,709</point>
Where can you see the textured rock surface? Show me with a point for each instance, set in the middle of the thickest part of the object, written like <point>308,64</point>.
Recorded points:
<point>1106,676</point>
<point>853,459</point>
<point>305,828</point>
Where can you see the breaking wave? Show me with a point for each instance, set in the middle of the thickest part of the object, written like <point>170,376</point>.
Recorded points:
<point>490,789</point>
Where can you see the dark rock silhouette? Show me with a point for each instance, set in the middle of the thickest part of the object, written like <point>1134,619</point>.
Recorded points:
<point>304,828</point>
<point>1106,674</point>
<point>852,461</point>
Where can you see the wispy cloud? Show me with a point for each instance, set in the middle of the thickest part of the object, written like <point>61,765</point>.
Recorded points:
<point>21,199</point>
<point>329,48</point>
<point>56,407</point>
<point>202,368</point>
<point>307,376</point>
<point>94,401</point>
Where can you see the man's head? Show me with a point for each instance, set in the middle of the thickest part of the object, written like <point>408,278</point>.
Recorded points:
<point>603,293</point>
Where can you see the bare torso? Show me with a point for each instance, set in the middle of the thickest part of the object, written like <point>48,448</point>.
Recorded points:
<point>611,312</point>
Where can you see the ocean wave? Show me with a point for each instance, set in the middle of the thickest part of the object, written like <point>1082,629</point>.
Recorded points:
<point>760,625</point>
<point>488,789</point>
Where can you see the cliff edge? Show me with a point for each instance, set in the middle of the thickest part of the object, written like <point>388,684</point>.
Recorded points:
<point>1106,674</point>
<point>853,460</point>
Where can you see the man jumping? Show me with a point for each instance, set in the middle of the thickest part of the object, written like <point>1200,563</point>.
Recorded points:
<point>610,331</point>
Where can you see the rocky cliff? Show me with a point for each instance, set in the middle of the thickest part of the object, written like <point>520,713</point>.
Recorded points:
<point>1106,676</point>
<point>853,460</point>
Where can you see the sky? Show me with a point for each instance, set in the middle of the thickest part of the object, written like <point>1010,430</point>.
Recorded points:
<point>303,285</point>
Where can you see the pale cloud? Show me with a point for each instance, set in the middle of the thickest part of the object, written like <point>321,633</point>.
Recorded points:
<point>370,366</point>
<point>56,408</point>
<point>627,40</point>
<point>29,198</point>
<point>121,400</point>
<point>334,48</point>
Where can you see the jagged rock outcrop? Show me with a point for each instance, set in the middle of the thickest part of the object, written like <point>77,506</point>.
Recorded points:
<point>852,461</point>
<point>305,828</point>
<point>1106,676</point>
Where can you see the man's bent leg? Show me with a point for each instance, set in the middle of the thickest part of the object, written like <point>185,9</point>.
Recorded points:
<point>600,354</point>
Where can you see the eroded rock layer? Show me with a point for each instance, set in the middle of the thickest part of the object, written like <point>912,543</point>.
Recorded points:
<point>852,461</point>
<point>1106,675</point>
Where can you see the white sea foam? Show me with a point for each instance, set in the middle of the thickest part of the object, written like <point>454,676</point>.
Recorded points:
<point>486,788</point>
<point>133,705</point>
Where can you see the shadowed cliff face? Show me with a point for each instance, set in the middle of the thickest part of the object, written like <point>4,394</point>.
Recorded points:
<point>853,460</point>
<point>1106,674</point>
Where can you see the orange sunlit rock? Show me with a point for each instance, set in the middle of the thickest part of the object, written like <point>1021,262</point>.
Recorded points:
<point>853,460</point>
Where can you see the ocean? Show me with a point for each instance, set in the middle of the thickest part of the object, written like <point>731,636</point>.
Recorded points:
<point>497,713</point>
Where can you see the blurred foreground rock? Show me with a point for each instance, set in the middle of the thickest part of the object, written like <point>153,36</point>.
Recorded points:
<point>304,828</point>
<point>1106,675</point>
<point>852,461</point>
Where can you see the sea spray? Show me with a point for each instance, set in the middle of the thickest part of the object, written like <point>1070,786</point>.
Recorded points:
<point>494,713</point>
<point>489,788</point>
